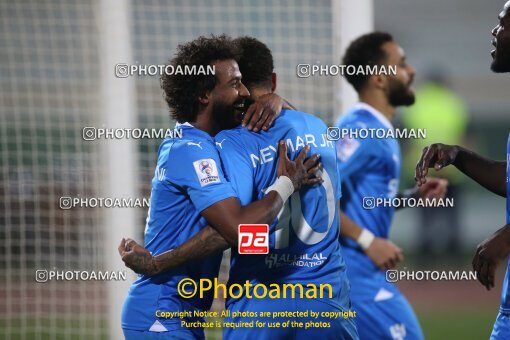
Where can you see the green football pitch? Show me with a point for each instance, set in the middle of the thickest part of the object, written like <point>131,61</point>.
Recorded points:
<point>455,323</point>
<point>444,323</point>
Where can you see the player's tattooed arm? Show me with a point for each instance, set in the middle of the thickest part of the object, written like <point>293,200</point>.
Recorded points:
<point>384,253</point>
<point>205,243</point>
<point>136,257</point>
<point>489,254</point>
<point>486,172</point>
<point>226,215</point>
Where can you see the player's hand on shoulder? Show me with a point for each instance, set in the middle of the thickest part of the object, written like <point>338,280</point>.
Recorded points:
<point>262,113</point>
<point>435,156</point>
<point>489,254</point>
<point>384,253</point>
<point>136,257</point>
<point>434,188</point>
<point>301,172</point>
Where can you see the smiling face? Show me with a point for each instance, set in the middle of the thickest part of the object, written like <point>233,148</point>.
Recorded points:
<point>501,34</point>
<point>229,95</point>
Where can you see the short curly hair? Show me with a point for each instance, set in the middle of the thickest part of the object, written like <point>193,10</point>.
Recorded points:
<point>365,50</point>
<point>182,91</point>
<point>256,62</point>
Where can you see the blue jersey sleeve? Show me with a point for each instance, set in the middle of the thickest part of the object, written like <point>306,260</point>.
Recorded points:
<point>353,155</point>
<point>238,167</point>
<point>198,171</point>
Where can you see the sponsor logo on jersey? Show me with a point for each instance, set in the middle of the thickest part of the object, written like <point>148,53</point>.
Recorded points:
<point>296,260</point>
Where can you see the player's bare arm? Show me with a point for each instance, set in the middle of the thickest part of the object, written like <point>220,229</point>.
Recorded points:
<point>262,113</point>
<point>206,242</point>
<point>226,215</point>
<point>209,241</point>
<point>486,172</point>
<point>489,254</point>
<point>384,253</point>
<point>433,188</point>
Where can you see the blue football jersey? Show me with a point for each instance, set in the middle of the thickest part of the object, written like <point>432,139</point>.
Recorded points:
<point>505,294</point>
<point>303,241</point>
<point>370,168</point>
<point>188,179</point>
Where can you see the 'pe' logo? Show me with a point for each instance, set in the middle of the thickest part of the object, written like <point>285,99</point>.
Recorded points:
<point>253,239</point>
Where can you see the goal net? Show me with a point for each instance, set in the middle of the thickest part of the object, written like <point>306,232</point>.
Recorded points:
<point>58,60</point>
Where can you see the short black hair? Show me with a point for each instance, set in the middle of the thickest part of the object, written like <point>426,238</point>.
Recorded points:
<point>255,63</point>
<point>182,92</point>
<point>365,50</point>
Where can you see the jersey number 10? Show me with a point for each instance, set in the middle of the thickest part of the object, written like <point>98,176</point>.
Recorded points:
<point>291,216</point>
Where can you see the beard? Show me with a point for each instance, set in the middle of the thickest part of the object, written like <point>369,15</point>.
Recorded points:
<point>399,94</point>
<point>226,116</point>
<point>500,64</point>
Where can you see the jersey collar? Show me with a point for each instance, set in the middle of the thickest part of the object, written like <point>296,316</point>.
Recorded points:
<point>191,129</point>
<point>376,113</point>
<point>183,124</point>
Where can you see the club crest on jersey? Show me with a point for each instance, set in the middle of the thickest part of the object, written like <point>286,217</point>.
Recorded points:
<point>346,148</point>
<point>207,171</point>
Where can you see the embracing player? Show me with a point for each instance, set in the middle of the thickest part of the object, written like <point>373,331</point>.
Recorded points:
<point>370,169</point>
<point>303,242</point>
<point>189,185</point>
<point>493,175</point>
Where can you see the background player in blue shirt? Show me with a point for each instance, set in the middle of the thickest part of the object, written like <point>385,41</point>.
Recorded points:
<point>370,168</point>
<point>304,245</point>
<point>189,185</point>
<point>493,175</point>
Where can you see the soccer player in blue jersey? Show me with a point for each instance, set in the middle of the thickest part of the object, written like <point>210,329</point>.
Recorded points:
<point>189,185</point>
<point>370,169</point>
<point>303,242</point>
<point>494,176</point>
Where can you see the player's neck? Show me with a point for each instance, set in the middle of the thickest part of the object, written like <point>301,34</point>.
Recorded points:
<point>205,123</point>
<point>380,104</point>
